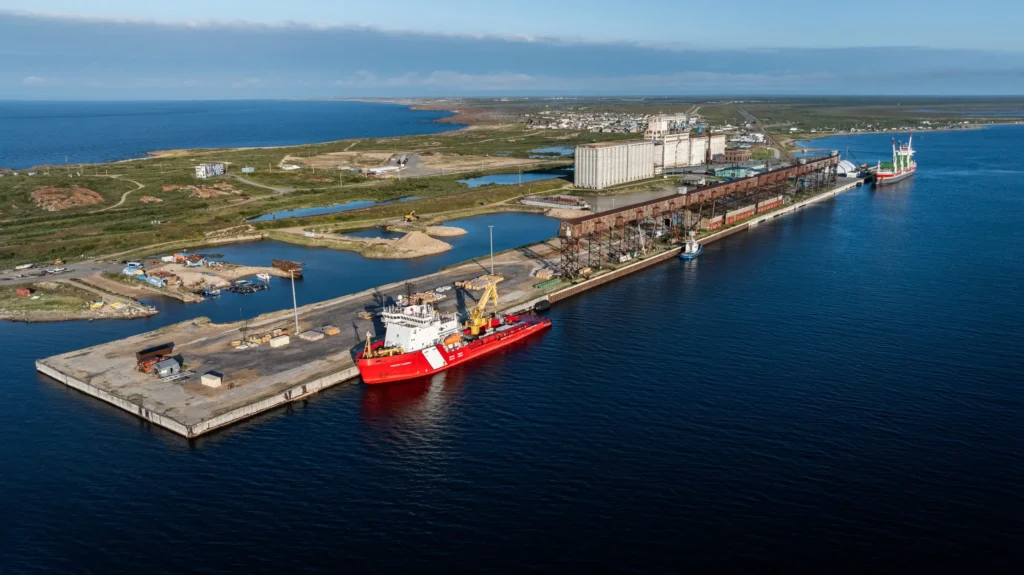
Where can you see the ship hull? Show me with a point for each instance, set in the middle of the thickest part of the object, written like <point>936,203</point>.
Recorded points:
<point>886,179</point>
<point>435,359</point>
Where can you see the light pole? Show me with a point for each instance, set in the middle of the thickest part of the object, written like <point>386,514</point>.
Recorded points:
<point>295,305</point>
<point>491,229</point>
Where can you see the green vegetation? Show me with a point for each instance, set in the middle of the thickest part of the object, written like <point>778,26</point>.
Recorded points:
<point>51,296</point>
<point>762,154</point>
<point>172,206</point>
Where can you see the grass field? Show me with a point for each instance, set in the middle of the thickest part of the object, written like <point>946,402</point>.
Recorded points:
<point>172,205</point>
<point>52,296</point>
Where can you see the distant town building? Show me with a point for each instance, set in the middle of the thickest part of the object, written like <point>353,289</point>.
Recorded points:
<point>209,170</point>
<point>736,156</point>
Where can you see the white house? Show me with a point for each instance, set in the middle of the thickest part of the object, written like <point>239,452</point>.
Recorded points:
<point>209,170</point>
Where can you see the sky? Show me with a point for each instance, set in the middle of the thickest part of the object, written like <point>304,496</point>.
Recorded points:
<point>121,49</point>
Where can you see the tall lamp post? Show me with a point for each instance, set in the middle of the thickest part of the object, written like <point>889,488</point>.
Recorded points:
<point>491,228</point>
<point>295,305</point>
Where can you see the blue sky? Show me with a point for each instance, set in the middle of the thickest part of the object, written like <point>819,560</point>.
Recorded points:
<point>307,49</point>
<point>979,24</point>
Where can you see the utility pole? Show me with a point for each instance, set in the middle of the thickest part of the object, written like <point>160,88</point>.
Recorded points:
<point>295,305</point>
<point>491,228</point>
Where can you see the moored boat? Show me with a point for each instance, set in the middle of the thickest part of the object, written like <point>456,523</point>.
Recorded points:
<point>420,341</point>
<point>691,249</point>
<point>902,166</point>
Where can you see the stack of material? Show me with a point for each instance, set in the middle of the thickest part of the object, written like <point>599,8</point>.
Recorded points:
<point>280,341</point>
<point>311,335</point>
<point>292,268</point>
<point>364,315</point>
<point>329,330</point>
<point>545,274</point>
<point>481,282</point>
<point>211,379</point>
<point>427,297</point>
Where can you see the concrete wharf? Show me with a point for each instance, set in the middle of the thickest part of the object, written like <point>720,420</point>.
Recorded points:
<point>260,379</point>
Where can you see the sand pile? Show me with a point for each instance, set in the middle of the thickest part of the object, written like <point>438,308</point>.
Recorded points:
<point>421,243</point>
<point>412,245</point>
<point>53,199</point>
<point>444,231</point>
<point>205,192</point>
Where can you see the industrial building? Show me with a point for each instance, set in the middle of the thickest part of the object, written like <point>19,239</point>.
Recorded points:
<point>209,170</point>
<point>600,165</point>
<point>605,164</point>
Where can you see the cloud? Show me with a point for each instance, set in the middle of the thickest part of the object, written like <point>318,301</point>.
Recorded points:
<point>105,58</point>
<point>442,79</point>
<point>34,80</point>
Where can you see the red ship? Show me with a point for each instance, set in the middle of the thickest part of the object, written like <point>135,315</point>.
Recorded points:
<point>420,341</point>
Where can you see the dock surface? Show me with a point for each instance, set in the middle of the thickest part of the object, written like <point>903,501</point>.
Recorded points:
<point>261,378</point>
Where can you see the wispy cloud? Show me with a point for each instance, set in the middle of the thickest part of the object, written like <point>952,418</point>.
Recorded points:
<point>128,58</point>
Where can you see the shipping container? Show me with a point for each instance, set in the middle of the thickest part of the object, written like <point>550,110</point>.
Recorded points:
<point>211,379</point>
<point>280,341</point>
<point>155,351</point>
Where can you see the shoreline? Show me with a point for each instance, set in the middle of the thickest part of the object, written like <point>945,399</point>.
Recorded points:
<point>456,126</point>
<point>819,136</point>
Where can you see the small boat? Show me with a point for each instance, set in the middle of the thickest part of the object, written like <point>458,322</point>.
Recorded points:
<point>691,249</point>
<point>263,276</point>
<point>211,292</point>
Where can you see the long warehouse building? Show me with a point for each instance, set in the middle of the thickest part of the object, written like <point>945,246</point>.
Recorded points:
<point>604,164</point>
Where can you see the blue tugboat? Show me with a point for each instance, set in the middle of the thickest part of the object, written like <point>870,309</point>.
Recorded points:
<point>691,249</point>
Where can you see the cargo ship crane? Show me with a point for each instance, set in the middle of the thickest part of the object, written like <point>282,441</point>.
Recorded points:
<point>477,316</point>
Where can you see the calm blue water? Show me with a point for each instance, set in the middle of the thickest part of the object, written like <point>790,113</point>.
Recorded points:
<point>548,150</point>
<point>321,210</point>
<point>833,391</point>
<point>331,273</point>
<point>35,133</point>
<point>377,233</point>
<point>506,179</point>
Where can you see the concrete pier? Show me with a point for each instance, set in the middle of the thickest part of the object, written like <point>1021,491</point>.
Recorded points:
<point>256,380</point>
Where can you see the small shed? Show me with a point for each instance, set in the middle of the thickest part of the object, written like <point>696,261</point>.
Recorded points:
<point>194,260</point>
<point>167,367</point>
<point>157,281</point>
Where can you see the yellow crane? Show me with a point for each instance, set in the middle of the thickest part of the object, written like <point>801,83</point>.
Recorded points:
<point>370,353</point>
<point>411,216</point>
<point>478,318</point>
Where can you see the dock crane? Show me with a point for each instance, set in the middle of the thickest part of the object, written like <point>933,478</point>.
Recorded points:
<point>478,319</point>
